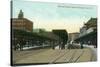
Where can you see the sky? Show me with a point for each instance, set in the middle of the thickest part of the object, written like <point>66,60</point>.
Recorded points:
<point>55,15</point>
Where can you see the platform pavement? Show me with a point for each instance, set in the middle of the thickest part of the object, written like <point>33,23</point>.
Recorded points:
<point>54,56</point>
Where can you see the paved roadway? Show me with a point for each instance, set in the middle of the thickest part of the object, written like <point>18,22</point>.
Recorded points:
<point>50,56</point>
<point>94,52</point>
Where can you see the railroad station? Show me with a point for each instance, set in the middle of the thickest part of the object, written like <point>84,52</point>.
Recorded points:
<point>30,46</point>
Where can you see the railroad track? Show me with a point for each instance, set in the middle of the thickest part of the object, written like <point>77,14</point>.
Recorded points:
<point>68,59</point>
<point>56,56</point>
<point>79,56</point>
<point>54,61</point>
<point>75,55</point>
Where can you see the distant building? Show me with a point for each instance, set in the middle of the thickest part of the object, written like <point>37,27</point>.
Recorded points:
<point>92,23</point>
<point>88,33</point>
<point>22,23</point>
<point>62,33</point>
<point>83,30</point>
<point>89,27</point>
<point>73,36</point>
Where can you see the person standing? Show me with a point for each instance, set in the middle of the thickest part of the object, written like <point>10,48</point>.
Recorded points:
<point>81,43</point>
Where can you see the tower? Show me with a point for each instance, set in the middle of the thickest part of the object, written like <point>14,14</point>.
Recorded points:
<point>20,15</point>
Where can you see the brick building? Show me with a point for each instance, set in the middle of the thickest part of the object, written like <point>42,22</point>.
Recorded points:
<point>22,23</point>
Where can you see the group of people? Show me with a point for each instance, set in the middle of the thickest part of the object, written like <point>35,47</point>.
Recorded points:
<point>21,44</point>
<point>60,44</point>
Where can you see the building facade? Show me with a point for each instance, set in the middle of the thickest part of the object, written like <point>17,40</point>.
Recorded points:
<point>72,36</point>
<point>88,33</point>
<point>22,23</point>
